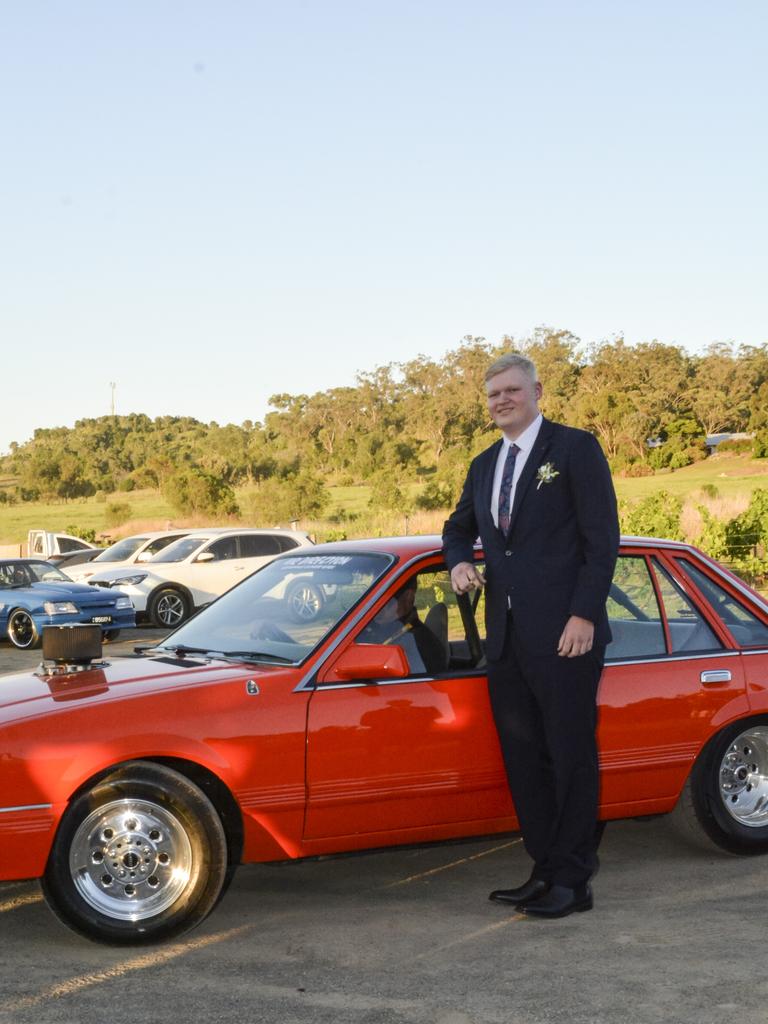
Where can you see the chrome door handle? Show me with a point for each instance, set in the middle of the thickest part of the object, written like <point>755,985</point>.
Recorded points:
<point>716,676</point>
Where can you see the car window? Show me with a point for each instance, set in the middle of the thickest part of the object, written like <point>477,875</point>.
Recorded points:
<point>180,549</point>
<point>688,629</point>
<point>161,542</point>
<point>436,630</point>
<point>633,612</point>
<point>743,625</point>
<point>255,545</point>
<point>222,550</point>
<point>44,571</point>
<point>13,575</point>
<point>286,543</point>
<point>121,550</point>
<point>283,611</point>
<point>65,544</point>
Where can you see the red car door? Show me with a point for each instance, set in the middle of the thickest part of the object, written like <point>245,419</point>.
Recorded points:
<point>672,680</point>
<point>414,751</point>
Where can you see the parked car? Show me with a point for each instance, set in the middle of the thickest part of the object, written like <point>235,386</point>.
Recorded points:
<point>195,570</point>
<point>129,551</point>
<point>133,788</point>
<point>35,594</point>
<point>73,558</point>
<point>48,545</point>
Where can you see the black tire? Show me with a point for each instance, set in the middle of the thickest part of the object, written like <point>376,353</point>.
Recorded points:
<point>305,601</point>
<point>726,795</point>
<point>110,635</point>
<point>140,857</point>
<point>169,607</point>
<point>22,631</point>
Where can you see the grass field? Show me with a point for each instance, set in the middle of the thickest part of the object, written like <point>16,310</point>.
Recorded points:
<point>733,476</point>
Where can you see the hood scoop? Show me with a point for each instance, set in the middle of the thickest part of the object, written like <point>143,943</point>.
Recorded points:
<point>69,649</point>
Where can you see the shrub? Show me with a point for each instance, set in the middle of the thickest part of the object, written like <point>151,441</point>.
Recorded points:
<point>658,515</point>
<point>116,513</point>
<point>299,496</point>
<point>193,490</point>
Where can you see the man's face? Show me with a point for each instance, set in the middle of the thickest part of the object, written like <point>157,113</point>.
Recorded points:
<point>513,401</point>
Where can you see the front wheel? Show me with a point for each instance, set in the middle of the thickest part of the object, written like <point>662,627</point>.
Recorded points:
<point>22,631</point>
<point>169,608</point>
<point>727,791</point>
<point>140,857</point>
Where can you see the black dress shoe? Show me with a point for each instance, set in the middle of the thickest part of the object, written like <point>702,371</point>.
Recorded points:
<point>530,890</point>
<point>559,901</point>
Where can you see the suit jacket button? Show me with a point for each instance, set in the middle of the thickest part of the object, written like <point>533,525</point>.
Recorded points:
<point>507,553</point>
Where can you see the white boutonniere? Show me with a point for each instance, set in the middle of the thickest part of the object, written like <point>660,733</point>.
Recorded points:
<point>546,473</point>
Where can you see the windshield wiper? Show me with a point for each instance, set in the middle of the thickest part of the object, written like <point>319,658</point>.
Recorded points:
<point>182,649</point>
<point>255,656</point>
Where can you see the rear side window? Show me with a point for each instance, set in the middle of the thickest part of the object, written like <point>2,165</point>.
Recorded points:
<point>257,545</point>
<point>743,625</point>
<point>633,612</point>
<point>688,629</point>
<point>287,543</point>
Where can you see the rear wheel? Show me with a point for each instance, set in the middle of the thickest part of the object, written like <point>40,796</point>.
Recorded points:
<point>169,608</point>
<point>22,631</point>
<point>110,635</point>
<point>140,857</point>
<point>726,795</point>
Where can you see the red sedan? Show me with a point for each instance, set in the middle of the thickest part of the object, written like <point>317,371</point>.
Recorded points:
<point>267,729</point>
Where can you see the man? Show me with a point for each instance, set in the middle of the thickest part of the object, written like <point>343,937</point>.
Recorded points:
<point>398,623</point>
<point>542,501</point>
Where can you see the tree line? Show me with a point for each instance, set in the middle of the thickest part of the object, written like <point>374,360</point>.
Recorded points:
<point>406,429</point>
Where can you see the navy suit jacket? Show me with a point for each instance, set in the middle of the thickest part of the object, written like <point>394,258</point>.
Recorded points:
<point>558,556</point>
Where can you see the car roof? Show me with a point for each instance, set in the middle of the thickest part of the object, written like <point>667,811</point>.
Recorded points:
<point>422,544</point>
<point>152,534</point>
<point>219,531</point>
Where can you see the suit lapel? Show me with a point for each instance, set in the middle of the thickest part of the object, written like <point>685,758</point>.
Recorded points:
<point>530,469</point>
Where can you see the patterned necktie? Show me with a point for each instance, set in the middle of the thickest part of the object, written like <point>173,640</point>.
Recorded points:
<point>505,491</point>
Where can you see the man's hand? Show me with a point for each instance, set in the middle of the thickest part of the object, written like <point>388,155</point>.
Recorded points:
<point>465,577</point>
<point>576,638</point>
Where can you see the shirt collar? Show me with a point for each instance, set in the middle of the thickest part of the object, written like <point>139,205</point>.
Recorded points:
<point>528,437</point>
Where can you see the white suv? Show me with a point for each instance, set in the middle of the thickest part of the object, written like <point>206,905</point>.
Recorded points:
<point>196,569</point>
<point>129,551</point>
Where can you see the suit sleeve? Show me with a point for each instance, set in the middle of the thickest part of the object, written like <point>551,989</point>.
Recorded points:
<point>460,530</point>
<point>598,524</point>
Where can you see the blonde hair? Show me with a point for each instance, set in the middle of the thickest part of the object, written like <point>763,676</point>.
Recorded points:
<point>512,361</point>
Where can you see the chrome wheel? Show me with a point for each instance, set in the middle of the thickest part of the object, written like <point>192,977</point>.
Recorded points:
<point>304,602</point>
<point>130,859</point>
<point>744,777</point>
<point>169,609</point>
<point>141,856</point>
<point>22,631</point>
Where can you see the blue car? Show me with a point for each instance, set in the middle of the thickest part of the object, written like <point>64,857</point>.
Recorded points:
<point>34,594</point>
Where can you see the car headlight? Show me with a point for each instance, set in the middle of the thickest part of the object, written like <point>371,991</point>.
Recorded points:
<point>124,602</point>
<point>60,608</point>
<point>129,581</point>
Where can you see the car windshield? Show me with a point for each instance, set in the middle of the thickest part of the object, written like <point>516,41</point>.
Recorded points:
<point>121,550</point>
<point>180,549</point>
<point>22,574</point>
<point>282,612</point>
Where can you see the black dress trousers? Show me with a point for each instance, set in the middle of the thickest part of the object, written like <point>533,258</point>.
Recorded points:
<point>544,707</point>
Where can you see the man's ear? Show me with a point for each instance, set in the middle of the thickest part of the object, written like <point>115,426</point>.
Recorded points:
<point>539,390</point>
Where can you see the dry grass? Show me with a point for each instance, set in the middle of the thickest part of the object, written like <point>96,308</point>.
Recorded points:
<point>723,509</point>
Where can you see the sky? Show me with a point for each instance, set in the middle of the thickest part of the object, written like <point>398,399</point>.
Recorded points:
<point>209,203</point>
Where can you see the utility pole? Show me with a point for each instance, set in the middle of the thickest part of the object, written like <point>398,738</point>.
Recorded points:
<point>113,385</point>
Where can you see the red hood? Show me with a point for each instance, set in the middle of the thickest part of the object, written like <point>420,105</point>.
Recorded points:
<point>29,694</point>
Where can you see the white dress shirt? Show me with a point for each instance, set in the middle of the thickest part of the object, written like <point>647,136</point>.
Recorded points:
<point>525,443</point>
